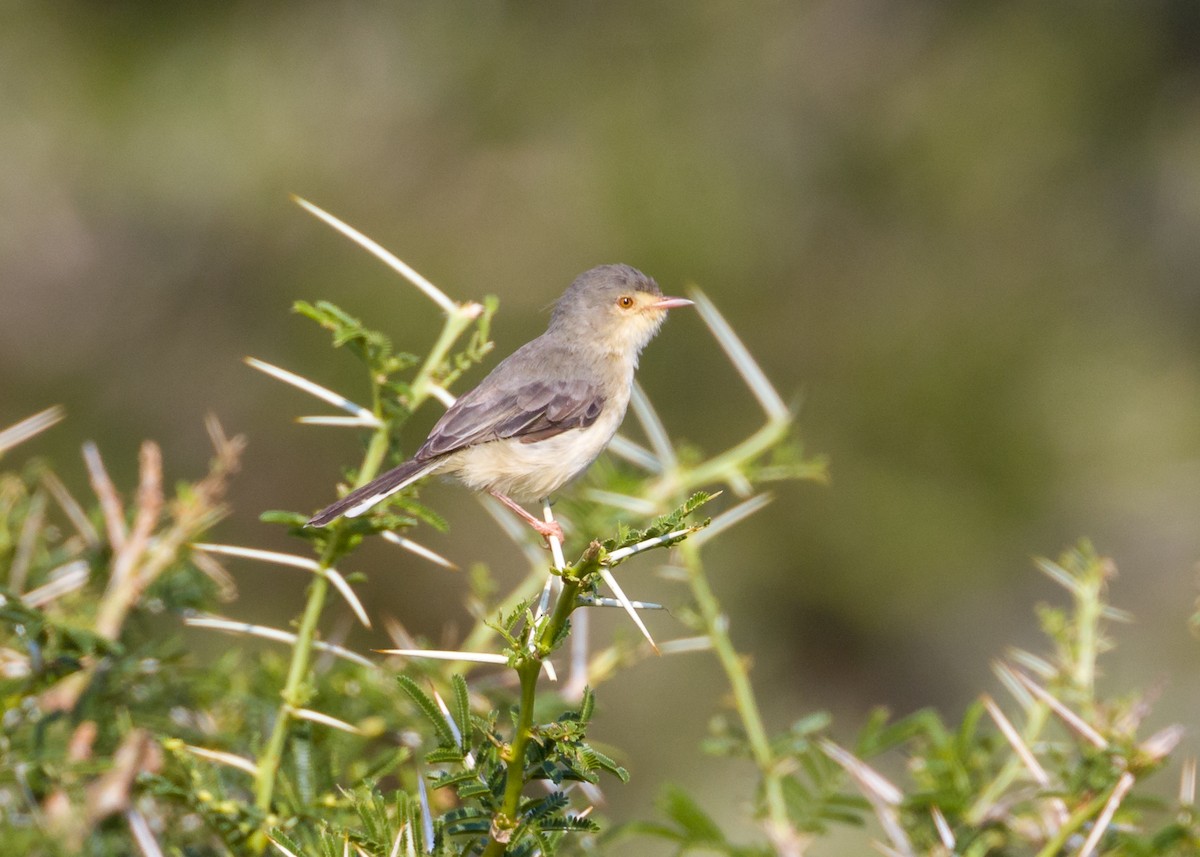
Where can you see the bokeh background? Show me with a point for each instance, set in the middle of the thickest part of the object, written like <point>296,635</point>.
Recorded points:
<point>963,238</point>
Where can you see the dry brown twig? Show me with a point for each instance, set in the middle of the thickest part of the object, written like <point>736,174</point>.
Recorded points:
<point>130,576</point>
<point>140,554</point>
<point>106,492</point>
<point>108,794</point>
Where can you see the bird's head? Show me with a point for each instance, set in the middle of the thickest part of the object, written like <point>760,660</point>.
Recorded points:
<point>613,307</point>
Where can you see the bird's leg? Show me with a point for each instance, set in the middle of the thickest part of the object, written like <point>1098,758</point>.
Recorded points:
<point>546,530</point>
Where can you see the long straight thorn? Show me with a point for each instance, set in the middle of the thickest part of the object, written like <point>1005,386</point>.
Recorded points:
<point>375,249</point>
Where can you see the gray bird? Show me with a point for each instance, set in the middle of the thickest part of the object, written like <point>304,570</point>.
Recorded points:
<point>544,414</point>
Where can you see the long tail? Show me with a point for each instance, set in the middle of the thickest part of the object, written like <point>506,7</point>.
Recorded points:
<point>361,499</point>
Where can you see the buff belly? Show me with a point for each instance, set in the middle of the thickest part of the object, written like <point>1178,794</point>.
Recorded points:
<point>530,471</point>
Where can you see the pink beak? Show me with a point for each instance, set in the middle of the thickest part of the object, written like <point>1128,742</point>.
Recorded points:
<point>670,303</point>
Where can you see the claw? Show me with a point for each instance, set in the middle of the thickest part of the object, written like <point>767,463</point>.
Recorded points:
<point>551,530</point>
<point>546,529</point>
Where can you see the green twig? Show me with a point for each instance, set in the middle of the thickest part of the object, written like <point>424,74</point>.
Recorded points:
<point>293,694</point>
<point>482,633</point>
<point>1035,721</point>
<point>506,820</point>
<point>725,467</point>
<point>1074,823</point>
<point>716,625</point>
<point>268,763</point>
<point>456,323</point>
<point>528,667</point>
<point>1089,605</point>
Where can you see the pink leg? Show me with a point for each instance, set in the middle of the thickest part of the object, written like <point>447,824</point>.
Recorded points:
<point>545,530</point>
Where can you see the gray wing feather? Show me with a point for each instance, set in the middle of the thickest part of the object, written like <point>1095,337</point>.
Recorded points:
<point>506,406</point>
<point>539,410</point>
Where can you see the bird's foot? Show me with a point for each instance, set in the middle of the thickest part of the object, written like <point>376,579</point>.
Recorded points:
<point>548,530</point>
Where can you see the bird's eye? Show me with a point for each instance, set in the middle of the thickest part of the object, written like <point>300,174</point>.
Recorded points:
<point>625,302</point>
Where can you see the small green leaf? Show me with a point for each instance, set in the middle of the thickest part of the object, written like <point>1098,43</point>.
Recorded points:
<point>661,526</point>
<point>279,516</point>
<point>473,788</point>
<point>696,824</point>
<point>608,764</point>
<point>430,709</point>
<point>453,778</point>
<point>462,708</point>
<point>444,755</point>
<point>587,705</point>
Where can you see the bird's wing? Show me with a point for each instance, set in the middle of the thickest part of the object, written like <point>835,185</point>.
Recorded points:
<point>535,410</point>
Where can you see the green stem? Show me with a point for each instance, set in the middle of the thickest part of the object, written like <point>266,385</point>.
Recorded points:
<point>1088,608</point>
<point>716,626</point>
<point>373,460</point>
<point>1074,823</point>
<point>377,449</point>
<point>507,819</point>
<point>567,602</point>
<point>482,632</point>
<point>291,696</point>
<point>268,763</point>
<point>1034,723</point>
<point>722,467</point>
<point>456,323</point>
<point>514,779</point>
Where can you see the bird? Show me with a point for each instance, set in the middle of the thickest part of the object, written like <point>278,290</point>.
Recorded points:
<point>544,413</point>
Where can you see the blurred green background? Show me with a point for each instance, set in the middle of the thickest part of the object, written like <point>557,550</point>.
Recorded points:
<point>963,237</point>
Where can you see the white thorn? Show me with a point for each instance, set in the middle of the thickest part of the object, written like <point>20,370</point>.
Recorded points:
<point>314,389</point>
<point>293,561</point>
<point>429,289</point>
<point>221,757</point>
<point>628,502</point>
<point>324,719</point>
<point>66,578</point>
<point>441,394</point>
<point>634,453</point>
<point>142,834</point>
<point>637,620</point>
<point>739,356</point>
<point>1015,741</point>
<point>1124,784</point>
<point>28,427</point>
<point>646,544</point>
<point>339,422</point>
<point>728,518</point>
<point>1065,714</point>
<point>418,549</point>
<point>266,633</point>
<point>685,645</point>
<point>446,655</point>
<point>660,441</point>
